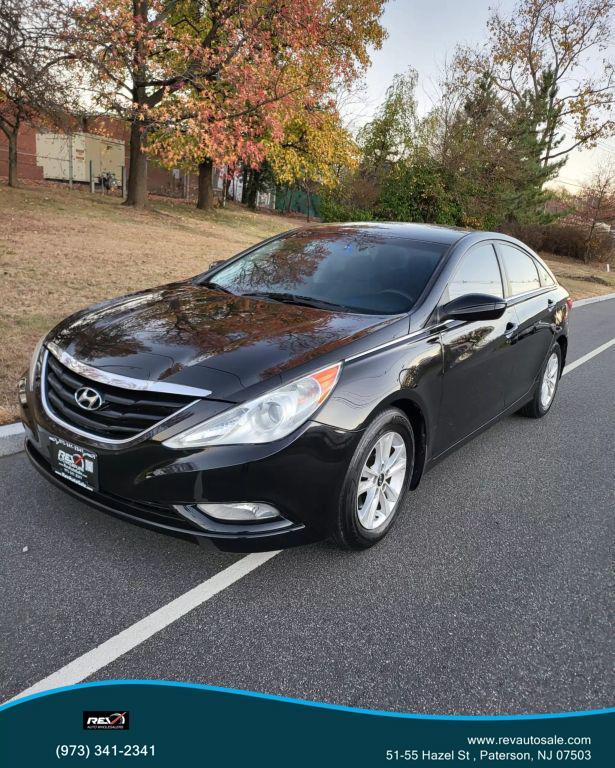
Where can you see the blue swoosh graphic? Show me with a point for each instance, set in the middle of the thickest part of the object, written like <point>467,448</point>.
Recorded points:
<point>307,703</point>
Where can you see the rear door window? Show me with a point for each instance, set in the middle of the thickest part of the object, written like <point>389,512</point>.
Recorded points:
<point>478,273</point>
<point>521,270</point>
<point>545,277</point>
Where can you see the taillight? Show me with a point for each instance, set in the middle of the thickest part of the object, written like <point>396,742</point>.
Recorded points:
<point>569,303</point>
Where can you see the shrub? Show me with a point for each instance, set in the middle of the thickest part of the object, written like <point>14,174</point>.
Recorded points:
<point>571,240</point>
<point>419,191</point>
<point>602,247</point>
<point>333,210</point>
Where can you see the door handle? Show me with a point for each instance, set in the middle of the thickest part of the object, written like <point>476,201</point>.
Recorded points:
<point>511,330</point>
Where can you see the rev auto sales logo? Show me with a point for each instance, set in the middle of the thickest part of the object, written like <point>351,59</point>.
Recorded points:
<point>106,721</point>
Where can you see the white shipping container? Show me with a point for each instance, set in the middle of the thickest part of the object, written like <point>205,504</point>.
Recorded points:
<point>53,153</point>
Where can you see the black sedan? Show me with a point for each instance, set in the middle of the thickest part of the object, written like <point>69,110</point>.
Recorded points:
<point>299,390</point>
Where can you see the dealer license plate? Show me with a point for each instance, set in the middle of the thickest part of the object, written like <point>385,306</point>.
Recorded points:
<point>74,463</point>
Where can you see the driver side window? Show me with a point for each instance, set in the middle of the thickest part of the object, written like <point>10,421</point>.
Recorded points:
<point>478,272</point>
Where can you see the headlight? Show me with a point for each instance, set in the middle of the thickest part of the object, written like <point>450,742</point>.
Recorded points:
<point>268,418</point>
<point>35,362</point>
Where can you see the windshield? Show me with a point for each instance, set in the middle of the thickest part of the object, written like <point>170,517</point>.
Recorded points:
<point>349,269</point>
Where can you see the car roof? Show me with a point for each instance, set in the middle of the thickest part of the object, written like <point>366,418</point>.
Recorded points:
<point>424,232</point>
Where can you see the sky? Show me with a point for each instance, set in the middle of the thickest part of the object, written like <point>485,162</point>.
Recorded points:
<point>421,33</point>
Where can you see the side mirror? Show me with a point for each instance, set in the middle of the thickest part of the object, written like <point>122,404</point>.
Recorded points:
<point>473,306</point>
<point>217,263</point>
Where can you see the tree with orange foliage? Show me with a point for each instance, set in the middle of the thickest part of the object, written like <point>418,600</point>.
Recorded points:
<point>199,78</point>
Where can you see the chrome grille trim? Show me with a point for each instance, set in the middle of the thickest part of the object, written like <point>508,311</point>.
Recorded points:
<point>122,382</point>
<point>109,442</point>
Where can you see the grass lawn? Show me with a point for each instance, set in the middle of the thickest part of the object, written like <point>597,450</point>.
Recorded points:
<point>62,250</point>
<point>582,281</point>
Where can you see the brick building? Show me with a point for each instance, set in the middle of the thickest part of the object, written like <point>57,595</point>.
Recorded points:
<point>30,162</point>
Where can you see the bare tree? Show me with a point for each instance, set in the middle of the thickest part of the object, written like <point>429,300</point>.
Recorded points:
<point>541,57</point>
<point>33,84</point>
<point>596,208</point>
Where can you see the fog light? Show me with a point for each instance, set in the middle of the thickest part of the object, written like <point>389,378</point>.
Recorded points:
<point>239,512</point>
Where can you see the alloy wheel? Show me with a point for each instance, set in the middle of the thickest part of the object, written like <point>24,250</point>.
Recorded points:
<point>381,480</point>
<point>549,382</point>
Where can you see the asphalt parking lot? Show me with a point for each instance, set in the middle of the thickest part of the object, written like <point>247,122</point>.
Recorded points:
<point>492,595</point>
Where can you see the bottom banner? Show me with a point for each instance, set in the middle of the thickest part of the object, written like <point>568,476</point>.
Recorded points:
<point>176,724</point>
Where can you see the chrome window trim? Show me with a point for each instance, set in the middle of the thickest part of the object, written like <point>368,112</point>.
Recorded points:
<point>122,382</point>
<point>529,255</point>
<point>401,339</point>
<point>464,256</point>
<point>519,297</point>
<point>110,442</point>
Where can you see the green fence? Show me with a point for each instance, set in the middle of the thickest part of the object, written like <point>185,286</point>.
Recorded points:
<point>294,200</point>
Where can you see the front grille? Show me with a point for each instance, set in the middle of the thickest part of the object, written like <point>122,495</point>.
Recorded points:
<point>124,413</point>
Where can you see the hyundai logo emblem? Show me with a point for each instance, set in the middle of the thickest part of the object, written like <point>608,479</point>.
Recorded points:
<point>88,399</point>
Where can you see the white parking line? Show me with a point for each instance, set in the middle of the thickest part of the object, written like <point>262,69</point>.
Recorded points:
<point>86,665</point>
<point>129,638</point>
<point>571,366</point>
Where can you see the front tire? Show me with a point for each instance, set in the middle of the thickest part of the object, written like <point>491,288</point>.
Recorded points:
<point>546,389</point>
<point>376,482</point>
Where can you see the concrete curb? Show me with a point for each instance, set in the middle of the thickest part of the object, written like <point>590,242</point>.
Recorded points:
<point>12,435</point>
<point>11,439</point>
<point>593,300</point>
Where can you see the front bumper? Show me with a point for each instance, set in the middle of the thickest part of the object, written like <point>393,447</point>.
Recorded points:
<point>149,484</point>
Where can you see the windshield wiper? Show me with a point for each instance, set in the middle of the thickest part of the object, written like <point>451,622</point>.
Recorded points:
<point>294,298</point>
<point>218,287</point>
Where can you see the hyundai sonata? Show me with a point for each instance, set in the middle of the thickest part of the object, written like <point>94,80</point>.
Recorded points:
<point>300,389</point>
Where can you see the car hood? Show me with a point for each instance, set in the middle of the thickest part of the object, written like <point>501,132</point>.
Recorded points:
<point>189,334</point>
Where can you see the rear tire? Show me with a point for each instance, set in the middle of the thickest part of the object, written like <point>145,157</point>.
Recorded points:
<point>376,482</point>
<point>546,388</point>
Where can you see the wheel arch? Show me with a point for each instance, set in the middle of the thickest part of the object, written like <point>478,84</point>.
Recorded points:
<point>416,416</point>
<point>563,343</point>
